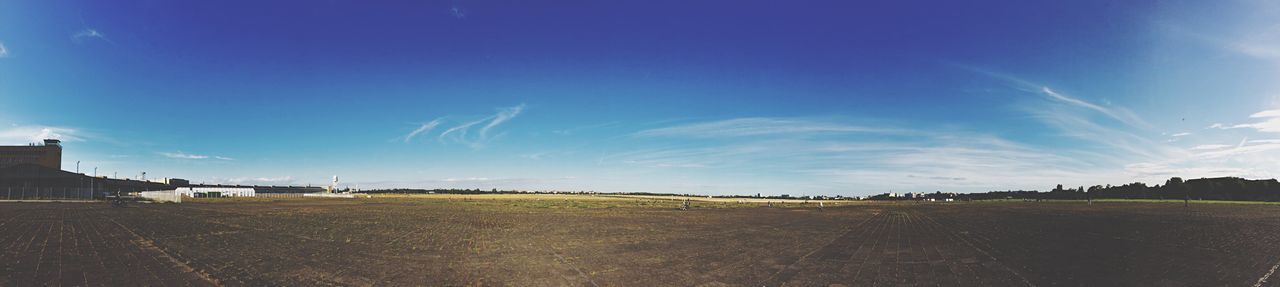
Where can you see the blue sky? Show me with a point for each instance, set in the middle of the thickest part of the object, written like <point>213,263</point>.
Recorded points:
<point>706,97</point>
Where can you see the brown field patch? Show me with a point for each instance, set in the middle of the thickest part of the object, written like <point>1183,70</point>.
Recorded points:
<point>634,242</point>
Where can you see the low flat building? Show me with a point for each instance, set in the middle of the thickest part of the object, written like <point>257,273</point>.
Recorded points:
<point>216,191</point>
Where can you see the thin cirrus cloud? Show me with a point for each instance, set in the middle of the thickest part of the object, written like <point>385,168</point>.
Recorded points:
<point>1256,40</point>
<point>1270,122</point>
<point>183,155</point>
<point>1240,157</point>
<point>1083,120</point>
<point>911,158</point>
<point>841,155</point>
<point>88,34</point>
<point>458,12</point>
<point>1120,114</point>
<point>425,128</point>
<point>575,130</point>
<point>1211,146</point>
<point>23,134</point>
<point>746,127</point>
<point>1116,113</point>
<point>503,116</point>
<point>462,132</point>
<point>4,52</point>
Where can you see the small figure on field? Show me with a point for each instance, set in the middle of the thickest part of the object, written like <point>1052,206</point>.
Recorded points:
<point>820,206</point>
<point>685,205</point>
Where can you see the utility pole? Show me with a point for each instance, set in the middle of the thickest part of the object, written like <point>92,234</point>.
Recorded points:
<point>95,171</point>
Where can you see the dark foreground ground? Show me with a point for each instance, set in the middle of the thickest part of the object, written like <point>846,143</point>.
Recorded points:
<point>438,242</point>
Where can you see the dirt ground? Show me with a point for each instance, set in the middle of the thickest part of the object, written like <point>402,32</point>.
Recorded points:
<point>636,242</point>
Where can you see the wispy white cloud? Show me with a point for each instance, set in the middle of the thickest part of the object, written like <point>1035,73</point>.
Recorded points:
<point>183,155</point>
<point>503,116</point>
<point>1143,158</point>
<point>1109,144</point>
<point>461,133</point>
<point>1270,122</point>
<point>536,155</point>
<point>88,34</point>
<point>425,128</point>
<point>1210,146</point>
<point>1241,149</point>
<point>571,131</point>
<point>467,179</point>
<point>1257,40</point>
<point>23,134</point>
<point>749,127</point>
<point>458,12</point>
<point>1119,114</point>
<point>4,52</point>
<point>1244,157</point>
<point>1260,44</point>
<point>1122,143</point>
<point>907,160</point>
<point>1264,141</point>
<point>1116,113</point>
<point>1221,126</point>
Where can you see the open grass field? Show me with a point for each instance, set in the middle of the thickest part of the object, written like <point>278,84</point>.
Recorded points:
<point>593,241</point>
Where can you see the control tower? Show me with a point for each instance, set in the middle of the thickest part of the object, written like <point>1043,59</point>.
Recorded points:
<point>48,154</point>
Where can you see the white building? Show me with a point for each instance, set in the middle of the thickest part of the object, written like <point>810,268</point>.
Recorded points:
<point>216,191</point>
<point>161,196</point>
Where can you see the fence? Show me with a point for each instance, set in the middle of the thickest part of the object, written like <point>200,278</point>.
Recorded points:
<point>278,195</point>
<point>329,195</point>
<point>50,193</point>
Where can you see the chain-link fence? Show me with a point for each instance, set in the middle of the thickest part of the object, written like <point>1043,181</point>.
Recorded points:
<point>50,193</point>
<point>278,195</point>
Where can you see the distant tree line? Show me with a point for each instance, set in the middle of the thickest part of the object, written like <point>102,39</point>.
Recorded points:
<point>497,191</point>
<point>439,190</point>
<point>469,191</point>
<point>1220,188</point>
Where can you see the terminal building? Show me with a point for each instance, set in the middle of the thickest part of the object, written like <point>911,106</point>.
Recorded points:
<point>34,171</point>
<point>48,154</point>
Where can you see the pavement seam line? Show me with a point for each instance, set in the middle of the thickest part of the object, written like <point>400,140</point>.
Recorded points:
<point>1268,275</point>
<point>166,255</point>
